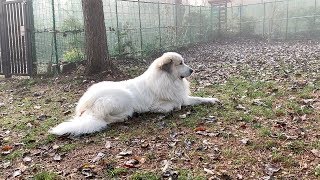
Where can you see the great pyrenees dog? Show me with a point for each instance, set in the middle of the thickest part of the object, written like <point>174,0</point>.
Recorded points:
<point>162,88</point>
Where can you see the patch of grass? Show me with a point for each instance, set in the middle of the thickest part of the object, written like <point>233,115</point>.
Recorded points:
<point>279,157</point>
<point>297,108</point>
<point>228,153</point>
<point>14,155</point>
<point>67,147</point>
<point>116,172</point>
<point>267,145</point>
<point>296,146</point>
<point>317,171</point>
<point>316,144</point>
<point>50,138</point>
<point>184,174</point>
<point>198,112</point>
<point>306,92</point>
<point>30,140</point>
<point>45,175</point>
<point>145,176</point>
<point>264,132</point>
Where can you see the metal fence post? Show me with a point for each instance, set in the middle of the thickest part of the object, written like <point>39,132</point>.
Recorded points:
<point>264,19</point>
<point>314,15</point>
<point>140,26</point>
<point>240,23</point>
<point>159,15</point>
<point>55,37</point>
<point>200,24</point>
<point>219,19</point>
<point>287,20</point>
<point>211,21</point>
<point>118,31</point>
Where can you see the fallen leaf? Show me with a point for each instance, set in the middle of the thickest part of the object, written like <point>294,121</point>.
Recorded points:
<point>131,163</point>
<point>240,107</point>
<point>208,171</point>
<point>27,159</point>
<point>98,157</point>
<point>141,160</point>
<point>258,102</point>
<point>16,173</point>
<point>145,145</point>
<point>37,107</point>
<point>166,165</point>
<point>5,165</point>
<point>316,152</point>
<point>201,128</point>
<point>125,153</point>
<point>108,145</point>
<point>55,147</point>
<point>6,148</point>
<point>270,169</point>
<point>183,116</point>
<point>244,141</point>
<point>57,157</point>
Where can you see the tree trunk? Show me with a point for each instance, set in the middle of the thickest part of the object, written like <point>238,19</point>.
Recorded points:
<point>95,36</point>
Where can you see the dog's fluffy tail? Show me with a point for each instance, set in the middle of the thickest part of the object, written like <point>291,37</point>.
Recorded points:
<point>84,124</point>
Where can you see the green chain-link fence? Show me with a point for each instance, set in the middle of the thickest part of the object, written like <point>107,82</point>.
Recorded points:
<point>138,28</point>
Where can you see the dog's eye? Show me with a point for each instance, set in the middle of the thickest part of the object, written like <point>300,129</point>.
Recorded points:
<point>181,63</point>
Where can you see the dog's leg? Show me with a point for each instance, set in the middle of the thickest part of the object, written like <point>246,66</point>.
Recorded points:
<point>191,100</point>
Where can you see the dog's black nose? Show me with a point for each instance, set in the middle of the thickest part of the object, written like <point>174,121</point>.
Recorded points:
<point>191,71</point>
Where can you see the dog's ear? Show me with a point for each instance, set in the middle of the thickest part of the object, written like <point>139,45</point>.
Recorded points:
<point>167,66</point>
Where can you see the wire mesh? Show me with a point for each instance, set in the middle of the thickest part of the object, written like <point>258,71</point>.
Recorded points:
<point>138,28</point>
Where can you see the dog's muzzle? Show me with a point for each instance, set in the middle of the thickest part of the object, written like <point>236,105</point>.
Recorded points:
<point>188,74</point>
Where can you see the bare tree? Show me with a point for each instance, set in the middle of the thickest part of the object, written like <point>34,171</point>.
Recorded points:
<point>95,36</point>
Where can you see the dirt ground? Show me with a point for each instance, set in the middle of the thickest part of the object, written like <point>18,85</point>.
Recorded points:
<point>267,126</point>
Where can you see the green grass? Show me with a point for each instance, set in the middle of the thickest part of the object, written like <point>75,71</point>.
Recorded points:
<point>264,131</point>
<point>45,175</point>
<point>296,146</point>
<point>317,171</point>
<point>14,155</point>
<point>145,176</point>
<point>279,157</point>
<point>112,173</point>
<point>67,147</point>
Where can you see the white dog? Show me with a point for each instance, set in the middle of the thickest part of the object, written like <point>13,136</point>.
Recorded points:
<point>161,88</point>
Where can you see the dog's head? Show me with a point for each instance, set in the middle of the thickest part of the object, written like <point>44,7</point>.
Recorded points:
<point>173,63</point>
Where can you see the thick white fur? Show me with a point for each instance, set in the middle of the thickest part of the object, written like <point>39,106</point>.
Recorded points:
<point>161,88</point>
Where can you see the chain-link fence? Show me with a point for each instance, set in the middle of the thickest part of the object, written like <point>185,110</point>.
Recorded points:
<point>139,28</point>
